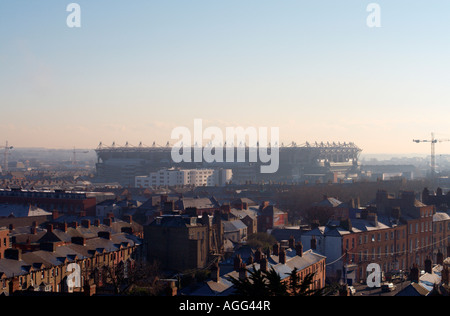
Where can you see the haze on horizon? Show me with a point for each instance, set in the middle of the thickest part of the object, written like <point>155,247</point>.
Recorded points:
<point>136,70</point>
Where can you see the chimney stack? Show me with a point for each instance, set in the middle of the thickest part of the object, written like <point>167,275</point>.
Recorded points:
<point>440,258</point>
<point>48,246</point>
<point>107,221</point>
<point>86,223</point>
<point>428,265</point>
<point>414,274</point>
<point>104,234</point>
<point>49,228</point>
<point>78,241</point>
<point>215,272</point>
<point>445,276</point>
<point>292,242</point>
<point>299,249</point>
<point>258,255</point>
<point>13,254</point>
<point>263,264</point>
<point>313,243</point>
<point>63,227</point>
<point>242,271</point>
<point>237,262</point>
<point>128,219</point>
<point>276,249</point>
<point>282,256</point>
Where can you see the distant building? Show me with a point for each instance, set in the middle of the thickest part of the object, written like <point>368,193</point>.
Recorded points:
<point>270,217</point>
<point>198,205</point>
<point>4,241</point>
<point>235,231</point>
<point>181,177</point>
<point>297,162</point>
<point>63,202</point>
<point>106,207</point>
<point>441,234</point>
<point>248,216</point>
<point>181,243</point>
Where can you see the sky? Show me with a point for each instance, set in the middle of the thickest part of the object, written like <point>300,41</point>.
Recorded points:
<point>135,70</point>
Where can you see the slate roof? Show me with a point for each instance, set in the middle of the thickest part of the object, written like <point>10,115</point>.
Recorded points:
<point>199,203</point>
<point>18,210</point>
<point>65,253</point>
<point>328,202</point>
<point>225,287</point>
<point>243,213</point>
<point>232,226</point>
<point>440,216</point>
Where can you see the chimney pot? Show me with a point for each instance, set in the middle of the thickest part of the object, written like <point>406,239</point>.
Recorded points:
<point>129,218</point>
<point>282,256</point>
<point>440,258</point>
<point>105,235</point>
<point>299,249</point>
<point>215,272</point>
<point>237,262</point>
<point>276,249</point>
<point>86,223</point>
<point>292,242</point>
<point>78,240</point>
<point>263,264</point>
<point>414,274</point>
<point>428,265</point>
<point>13,254</point>
<point>242,271</point>
<point>313,243</point>
<point>258,255</point>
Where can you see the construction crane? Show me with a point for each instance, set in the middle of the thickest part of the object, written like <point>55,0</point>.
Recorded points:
<point>433,141</point>
<point>75,152</point>
<point>6,153</point>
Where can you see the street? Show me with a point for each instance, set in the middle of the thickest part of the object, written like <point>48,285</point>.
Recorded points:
<point>364,290</point>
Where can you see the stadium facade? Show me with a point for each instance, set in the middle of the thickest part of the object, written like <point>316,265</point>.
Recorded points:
<point>310,161</point>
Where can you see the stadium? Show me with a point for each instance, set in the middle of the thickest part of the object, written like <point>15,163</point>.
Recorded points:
<point>306,162</point>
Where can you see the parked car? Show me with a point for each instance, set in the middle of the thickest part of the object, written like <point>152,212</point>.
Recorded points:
<point>388,287</point>
<point>352,290</point>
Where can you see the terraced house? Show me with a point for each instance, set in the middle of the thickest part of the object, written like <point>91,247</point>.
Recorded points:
<point>69,261</point>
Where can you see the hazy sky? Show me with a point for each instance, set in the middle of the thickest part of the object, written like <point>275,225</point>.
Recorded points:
<point>137,69</point>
